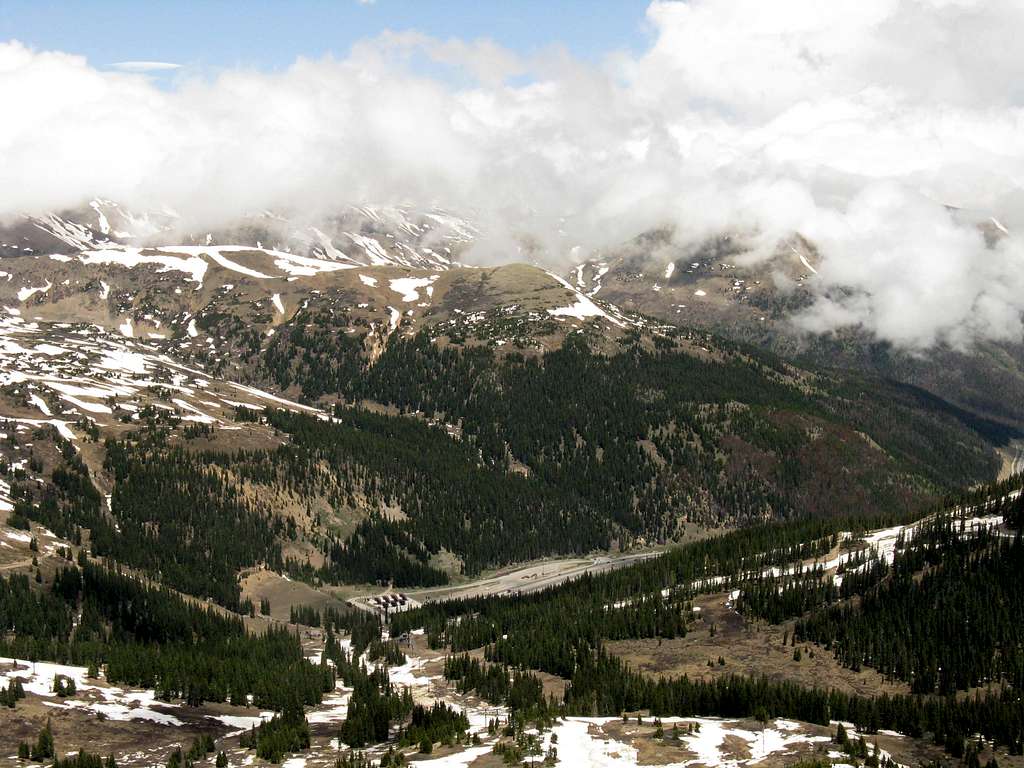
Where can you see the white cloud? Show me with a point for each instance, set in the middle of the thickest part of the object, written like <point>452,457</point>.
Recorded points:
<point>903,267</point>
<point>145,66</point>
<point>852,122</point>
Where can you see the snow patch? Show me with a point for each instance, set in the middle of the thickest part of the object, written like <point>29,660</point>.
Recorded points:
<point>123,360</point>
<point>193,266</point>
<point>409,286</point>
<point>39,403</point>
<point>27,293</point>
<point>583,307</point>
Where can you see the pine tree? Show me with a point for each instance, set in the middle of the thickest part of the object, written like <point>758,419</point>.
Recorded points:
<point>43,749</point>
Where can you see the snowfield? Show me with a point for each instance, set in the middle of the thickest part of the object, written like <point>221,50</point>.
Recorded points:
<point>115,703</point>
<point>581,742</point>
<point>196,260</point>
<point>409,287</point>
<point>583,307</point>
<point>98,375</point>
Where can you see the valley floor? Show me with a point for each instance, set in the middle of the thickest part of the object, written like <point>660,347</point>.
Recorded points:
<point>143,731</point>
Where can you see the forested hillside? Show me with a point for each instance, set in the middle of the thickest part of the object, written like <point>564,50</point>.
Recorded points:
<point>144,635</point>
<point>480,417</point>
<point>633,443</point>
<point>956,627</point>
<point>506,458</point>
<point>956,599</point>
<point>150,637</point>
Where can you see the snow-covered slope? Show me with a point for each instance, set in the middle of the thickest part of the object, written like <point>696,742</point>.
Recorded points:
<point>358,236</point>
<point>710,285</point>
<point>71,375</point>
<point>100,331</point>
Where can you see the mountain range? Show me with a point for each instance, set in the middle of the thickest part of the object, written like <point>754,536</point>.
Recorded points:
<point>622,402</point>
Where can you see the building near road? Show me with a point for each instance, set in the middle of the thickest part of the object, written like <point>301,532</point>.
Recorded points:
<point>391,602</point>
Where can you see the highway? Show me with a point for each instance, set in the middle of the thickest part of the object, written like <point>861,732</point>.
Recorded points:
<point>532,577</point>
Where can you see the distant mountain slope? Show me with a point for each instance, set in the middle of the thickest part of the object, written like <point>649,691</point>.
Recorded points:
<point>450,452</point>
<point>711,285</point>
<point>715,287</point>
<point>358,236</point>
<point>392,422</point>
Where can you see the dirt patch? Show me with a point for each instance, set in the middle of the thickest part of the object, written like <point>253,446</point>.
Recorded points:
<point>746,648</point>
<point>134,743</point>
<point>247,437</point>
<point>284,593</point>
<point>446,561</point>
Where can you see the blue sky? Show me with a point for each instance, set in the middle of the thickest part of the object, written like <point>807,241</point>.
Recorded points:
<point>214,34</point>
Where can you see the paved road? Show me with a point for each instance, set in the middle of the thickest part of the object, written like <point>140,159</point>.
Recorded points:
<point>26,563</point>
<point>1014,459</point>
<point>527,578</point>
<point>532,577</point>
<point>1017,465</point>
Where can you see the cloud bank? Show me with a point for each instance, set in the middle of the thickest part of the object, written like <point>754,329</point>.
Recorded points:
<point>852,122</point>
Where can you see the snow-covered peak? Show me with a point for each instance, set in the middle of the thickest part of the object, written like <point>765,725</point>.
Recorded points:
<point>357,235</point>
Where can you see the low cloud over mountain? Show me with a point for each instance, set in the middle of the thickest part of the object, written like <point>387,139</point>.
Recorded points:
<point>856,124</point>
